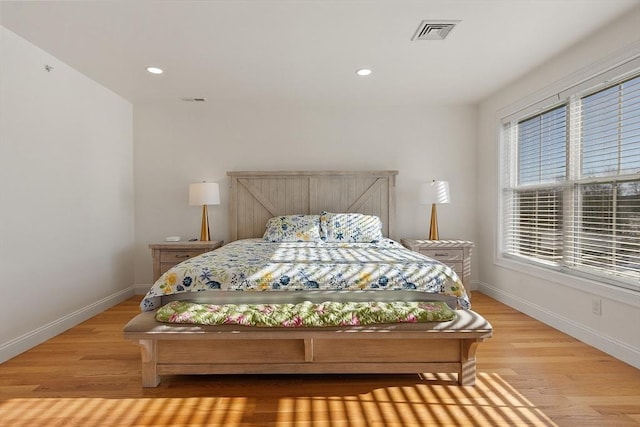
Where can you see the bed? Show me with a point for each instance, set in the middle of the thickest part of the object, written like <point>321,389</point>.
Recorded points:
<point>207,315</point>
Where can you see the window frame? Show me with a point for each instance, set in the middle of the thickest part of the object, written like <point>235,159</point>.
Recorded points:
<point>575,91</point>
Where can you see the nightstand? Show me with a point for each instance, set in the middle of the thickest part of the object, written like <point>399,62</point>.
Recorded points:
<point>455,253</point>
<point>167,254</point>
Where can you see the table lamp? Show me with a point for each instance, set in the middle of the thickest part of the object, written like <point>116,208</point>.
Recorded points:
<point>434,193</point>
<point>204,193</point>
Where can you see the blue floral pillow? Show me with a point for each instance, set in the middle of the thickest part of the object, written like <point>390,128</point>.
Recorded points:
<point>350,227</point>
<point>293,228</point>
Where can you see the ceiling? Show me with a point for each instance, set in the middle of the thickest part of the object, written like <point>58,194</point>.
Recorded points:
<point>305,52</point>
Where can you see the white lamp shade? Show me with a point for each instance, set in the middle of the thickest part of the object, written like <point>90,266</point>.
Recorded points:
<point>435,192</point>
<point>204,193</point>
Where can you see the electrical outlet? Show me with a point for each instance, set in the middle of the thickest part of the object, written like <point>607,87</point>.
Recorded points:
<point>596,306</point>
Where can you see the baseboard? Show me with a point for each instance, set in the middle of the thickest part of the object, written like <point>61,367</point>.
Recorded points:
<point>31,339</point>
<point>590,336</point>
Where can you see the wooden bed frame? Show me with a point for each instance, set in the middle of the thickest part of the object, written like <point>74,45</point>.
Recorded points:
<point>170,349</point>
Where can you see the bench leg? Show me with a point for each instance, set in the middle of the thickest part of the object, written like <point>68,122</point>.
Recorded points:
<point>467,374</point>
<point>150,377</point>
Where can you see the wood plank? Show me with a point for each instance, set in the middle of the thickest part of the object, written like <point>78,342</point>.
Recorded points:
<point>238,351</point>
<point>304,368</point>
<point>398,350</point>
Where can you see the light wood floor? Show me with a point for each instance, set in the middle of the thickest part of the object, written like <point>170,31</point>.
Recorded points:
<point>529,374</point>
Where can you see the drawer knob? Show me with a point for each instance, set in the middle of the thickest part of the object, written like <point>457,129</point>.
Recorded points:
<point>442,254</point>
<point>182,256</point>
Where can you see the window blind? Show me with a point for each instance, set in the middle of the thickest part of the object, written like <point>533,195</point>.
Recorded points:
<point>542,147</point>
<point>606,232</point>
<point>571,184</point>
<point>610,130</point>
<point>534,216</point>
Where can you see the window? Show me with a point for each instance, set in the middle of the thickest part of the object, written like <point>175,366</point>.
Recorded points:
<point>571,184</point>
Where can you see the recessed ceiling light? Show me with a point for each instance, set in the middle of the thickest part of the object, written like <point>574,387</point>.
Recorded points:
<point>363,72</point>
<point>155,70</point>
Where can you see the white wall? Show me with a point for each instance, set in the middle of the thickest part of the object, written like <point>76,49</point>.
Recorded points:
<point>179,142</point>
<point>556,299</point>
<point>66,196</point>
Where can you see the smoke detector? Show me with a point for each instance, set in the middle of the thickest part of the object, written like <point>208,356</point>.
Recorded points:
<point>434,30</point>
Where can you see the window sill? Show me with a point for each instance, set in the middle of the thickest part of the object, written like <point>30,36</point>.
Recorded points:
<point>601,289</point>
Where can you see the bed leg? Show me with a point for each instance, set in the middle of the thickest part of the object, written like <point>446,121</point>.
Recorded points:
<point>148,350</point>
<point>467,374</point>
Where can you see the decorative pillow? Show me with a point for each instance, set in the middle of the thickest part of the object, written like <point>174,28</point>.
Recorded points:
<point>350,227</point>
<point>306,314</point>
<point>293,228</point>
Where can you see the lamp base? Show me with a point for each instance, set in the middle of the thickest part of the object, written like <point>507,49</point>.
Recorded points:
<point>433,227</point>
<point>204,229</point>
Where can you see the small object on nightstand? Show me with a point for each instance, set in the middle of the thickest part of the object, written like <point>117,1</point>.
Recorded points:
<point>167,254</point>
<point>454,253</point>
<point>172,239</point>
<point>193,239</point>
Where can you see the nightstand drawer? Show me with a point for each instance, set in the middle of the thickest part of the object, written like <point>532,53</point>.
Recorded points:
<point>454,253</point>
<point>167,254</point>
<point>444,255</point>
<point>177,256</point>
<point>457,267</point>
<point>165,266</point>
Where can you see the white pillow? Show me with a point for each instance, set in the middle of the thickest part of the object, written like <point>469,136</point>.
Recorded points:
<point>293,228</point>
<point>350,227</point>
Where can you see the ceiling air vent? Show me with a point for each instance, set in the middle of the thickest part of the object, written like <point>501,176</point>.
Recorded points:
<point>434,30</point>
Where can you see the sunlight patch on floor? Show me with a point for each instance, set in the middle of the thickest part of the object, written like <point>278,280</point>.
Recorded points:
<point>492,402</point>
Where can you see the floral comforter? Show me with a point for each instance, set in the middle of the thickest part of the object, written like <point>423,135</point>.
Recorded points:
<point>305,314</point>
<point>256,265</point>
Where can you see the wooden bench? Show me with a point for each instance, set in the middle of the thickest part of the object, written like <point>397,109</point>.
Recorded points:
<point>437,347</point>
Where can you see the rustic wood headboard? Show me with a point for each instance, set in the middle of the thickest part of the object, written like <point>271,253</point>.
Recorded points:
<point>257,196</point>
